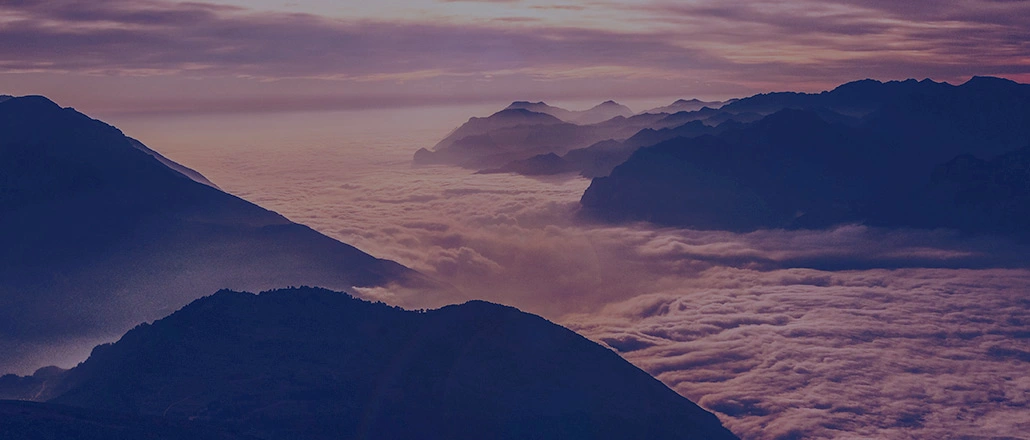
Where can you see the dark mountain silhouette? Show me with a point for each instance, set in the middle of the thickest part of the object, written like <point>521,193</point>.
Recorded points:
<point>599,159</point>
<point>687,105</point>
<point>909,161</point>
<point>969,193</point>
<point>186,171</point>
<point>21,420</point>
<point>99,234</point>
<point>313,364</point>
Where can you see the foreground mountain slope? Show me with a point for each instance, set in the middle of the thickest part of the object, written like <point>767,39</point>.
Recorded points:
<point>311,363</point>
<point>21,420</point>
<point>814,167</point>
<point>98,234</point>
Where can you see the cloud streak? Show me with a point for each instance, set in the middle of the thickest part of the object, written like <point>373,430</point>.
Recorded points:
<point>476,51</point>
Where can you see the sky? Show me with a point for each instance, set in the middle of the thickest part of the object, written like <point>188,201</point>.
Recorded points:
<point>249,92</point>
<point>233,56</point>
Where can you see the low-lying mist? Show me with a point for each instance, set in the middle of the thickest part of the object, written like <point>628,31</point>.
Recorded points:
<point>785,334</point>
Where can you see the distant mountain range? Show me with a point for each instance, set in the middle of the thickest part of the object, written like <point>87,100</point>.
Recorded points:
<point>100,232</point>
<point>511,139</point>
<point>315,364</point>
<point>598,113</point>
<point>898,154</point>
<point>689,105</point>
<point>880,153</point>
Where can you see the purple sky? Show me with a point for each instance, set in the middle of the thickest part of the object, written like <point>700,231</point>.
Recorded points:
<point>155,56</point>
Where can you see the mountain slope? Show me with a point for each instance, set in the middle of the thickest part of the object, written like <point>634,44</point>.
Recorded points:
<point>99,234</point>
<point>311,363</point>
<point>814,167</point>
<point>38,421</point>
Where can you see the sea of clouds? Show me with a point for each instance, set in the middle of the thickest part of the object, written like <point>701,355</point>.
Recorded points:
<point>846,333</point>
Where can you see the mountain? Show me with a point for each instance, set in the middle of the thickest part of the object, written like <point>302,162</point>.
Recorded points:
<point>539,165</point>
<point>598,113</point>
<point>856,98</point>
<point>601,158</point>
<point>685,105</point>
<point>602,112</point>
<point>316,364</point>
<point>542,107</point>
<point>526,147</point>
<point>185,171</point>
<point>969,193</point>
<point>100,233</point>
<point>481,140</point>
<point>923,155</point>
<point>516,134</point>
<point>21,420</point>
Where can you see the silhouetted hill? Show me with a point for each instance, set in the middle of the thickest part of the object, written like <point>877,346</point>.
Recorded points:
<point>98,234</point>
<point>313,364</point>
<point>816,167</point>
<point>21,420</point>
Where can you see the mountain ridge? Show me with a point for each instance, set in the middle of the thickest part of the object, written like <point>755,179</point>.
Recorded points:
<point>808,166</point>
<point>313,363</point>
<point>91,221</point>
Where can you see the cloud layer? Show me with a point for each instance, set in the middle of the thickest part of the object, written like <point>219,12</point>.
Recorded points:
<point>417,52</point>
<point>785,334</point>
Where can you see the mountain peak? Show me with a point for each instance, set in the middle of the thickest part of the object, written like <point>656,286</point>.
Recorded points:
<point>523,104</point>
<point>992,82</point>
<point>29,103</point>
